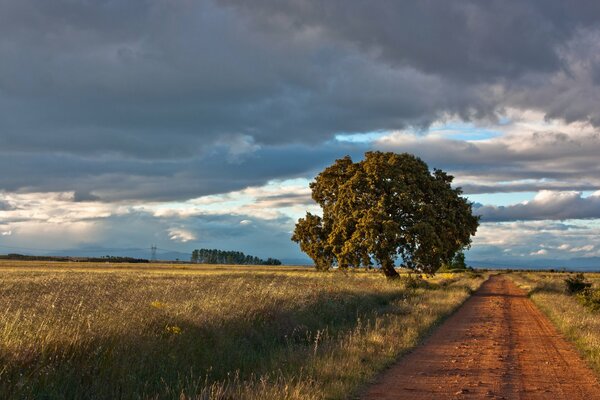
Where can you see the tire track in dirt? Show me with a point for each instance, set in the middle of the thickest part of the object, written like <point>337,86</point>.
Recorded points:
<point>498,345</point>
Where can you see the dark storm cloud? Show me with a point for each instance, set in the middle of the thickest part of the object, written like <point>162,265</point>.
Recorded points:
<point>114,178</point>
<point>466,39</point>
<point>539,54</point>
<point>84,197</point>
<point>170,100</point>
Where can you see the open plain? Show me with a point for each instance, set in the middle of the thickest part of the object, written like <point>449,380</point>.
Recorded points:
<point>151,331</point>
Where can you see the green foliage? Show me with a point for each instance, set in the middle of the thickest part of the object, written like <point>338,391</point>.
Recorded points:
<point>385,207</point>
<point>214,256</point>
<point>458,261</point>
<point>312,236</point>
<point>457,264</point>
<point>590,298</point>
<point>576,283</point>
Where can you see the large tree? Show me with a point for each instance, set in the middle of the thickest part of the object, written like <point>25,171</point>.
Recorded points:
<point>385,207</point>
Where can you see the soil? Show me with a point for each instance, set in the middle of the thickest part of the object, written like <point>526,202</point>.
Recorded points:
<point>498,345</point>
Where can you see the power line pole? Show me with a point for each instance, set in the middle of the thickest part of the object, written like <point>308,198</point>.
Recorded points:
<point>153,252</point>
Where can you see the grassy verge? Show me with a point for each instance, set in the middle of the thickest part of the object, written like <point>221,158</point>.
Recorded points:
<point>207,333</point>
<point>578,323</point>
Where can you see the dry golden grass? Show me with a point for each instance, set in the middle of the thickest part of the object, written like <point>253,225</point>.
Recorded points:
<point>578,323</point>
<point>205,332</point>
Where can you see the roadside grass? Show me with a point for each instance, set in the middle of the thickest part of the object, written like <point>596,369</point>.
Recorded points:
<point>194,332</point>
<point>578,323</point>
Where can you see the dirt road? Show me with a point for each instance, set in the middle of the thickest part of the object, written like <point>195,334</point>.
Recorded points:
<point>498,345</point>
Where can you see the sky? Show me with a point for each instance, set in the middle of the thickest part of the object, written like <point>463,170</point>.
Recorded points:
<point>199,124</point>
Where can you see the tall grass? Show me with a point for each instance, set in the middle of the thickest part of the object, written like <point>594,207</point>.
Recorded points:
<point>578,323</point>
<point>227,333</point>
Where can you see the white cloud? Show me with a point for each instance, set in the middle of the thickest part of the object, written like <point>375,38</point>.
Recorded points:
<point>55,220</point>
<point>587,248</point>
<point>541,252</point>
<point>559,240</point>
<point>181,235</point>
<point>546,205</point>
<point>288,198</point>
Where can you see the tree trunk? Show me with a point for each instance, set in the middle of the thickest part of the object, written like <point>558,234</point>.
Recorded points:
<point>387,266</point>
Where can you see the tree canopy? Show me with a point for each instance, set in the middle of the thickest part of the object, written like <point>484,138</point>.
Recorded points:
<point>215,256</point>
<point>385,207</point>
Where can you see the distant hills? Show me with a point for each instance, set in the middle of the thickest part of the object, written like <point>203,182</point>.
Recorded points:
<point>574,264</point>
<point>120,252</point>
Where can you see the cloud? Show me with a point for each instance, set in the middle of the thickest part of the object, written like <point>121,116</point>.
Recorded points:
<point>238,147</point>
<point>143,122</point>
<point>547,205</point>
<point>526,155</point>
<point>40,218</point>
<point>139,101</point>
<point>586,248</point>
<point>268,202</point>
<point>236,222</point>
<point>5,205</point>
<point>510,241</point>
<point>522,157</point>
<point>181,235</point>
<point>149,80</point>
<point>290,197</point>
<point>82,196</point>
<point>533,54</point>
<point>112,178</point>
<point>541,252</point>
<point>451,38</point>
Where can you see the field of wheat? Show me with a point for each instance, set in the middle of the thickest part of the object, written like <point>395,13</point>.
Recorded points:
<point>75,331</point>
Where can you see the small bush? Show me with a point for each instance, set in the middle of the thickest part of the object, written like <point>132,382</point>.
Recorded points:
<point>414,281</point>
<point>471,273</point>
<point>577,284</point>
<point>590,298</point>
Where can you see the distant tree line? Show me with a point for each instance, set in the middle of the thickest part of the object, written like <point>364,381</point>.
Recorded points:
<point>112,259</point>
<point>215,256</point>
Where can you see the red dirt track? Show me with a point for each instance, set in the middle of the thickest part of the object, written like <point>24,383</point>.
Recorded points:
<point>498,345</point>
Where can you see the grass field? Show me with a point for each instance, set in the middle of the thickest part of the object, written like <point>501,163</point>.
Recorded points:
<point>578,323</point>
<point>102,331</point>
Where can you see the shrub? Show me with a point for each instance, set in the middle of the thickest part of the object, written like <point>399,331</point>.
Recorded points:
<point>590,298</point>
<point>576,284</point>
<point>414,281</point>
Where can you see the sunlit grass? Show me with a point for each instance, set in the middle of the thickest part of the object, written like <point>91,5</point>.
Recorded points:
<point>577,322</point>
<point>203,332</point>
